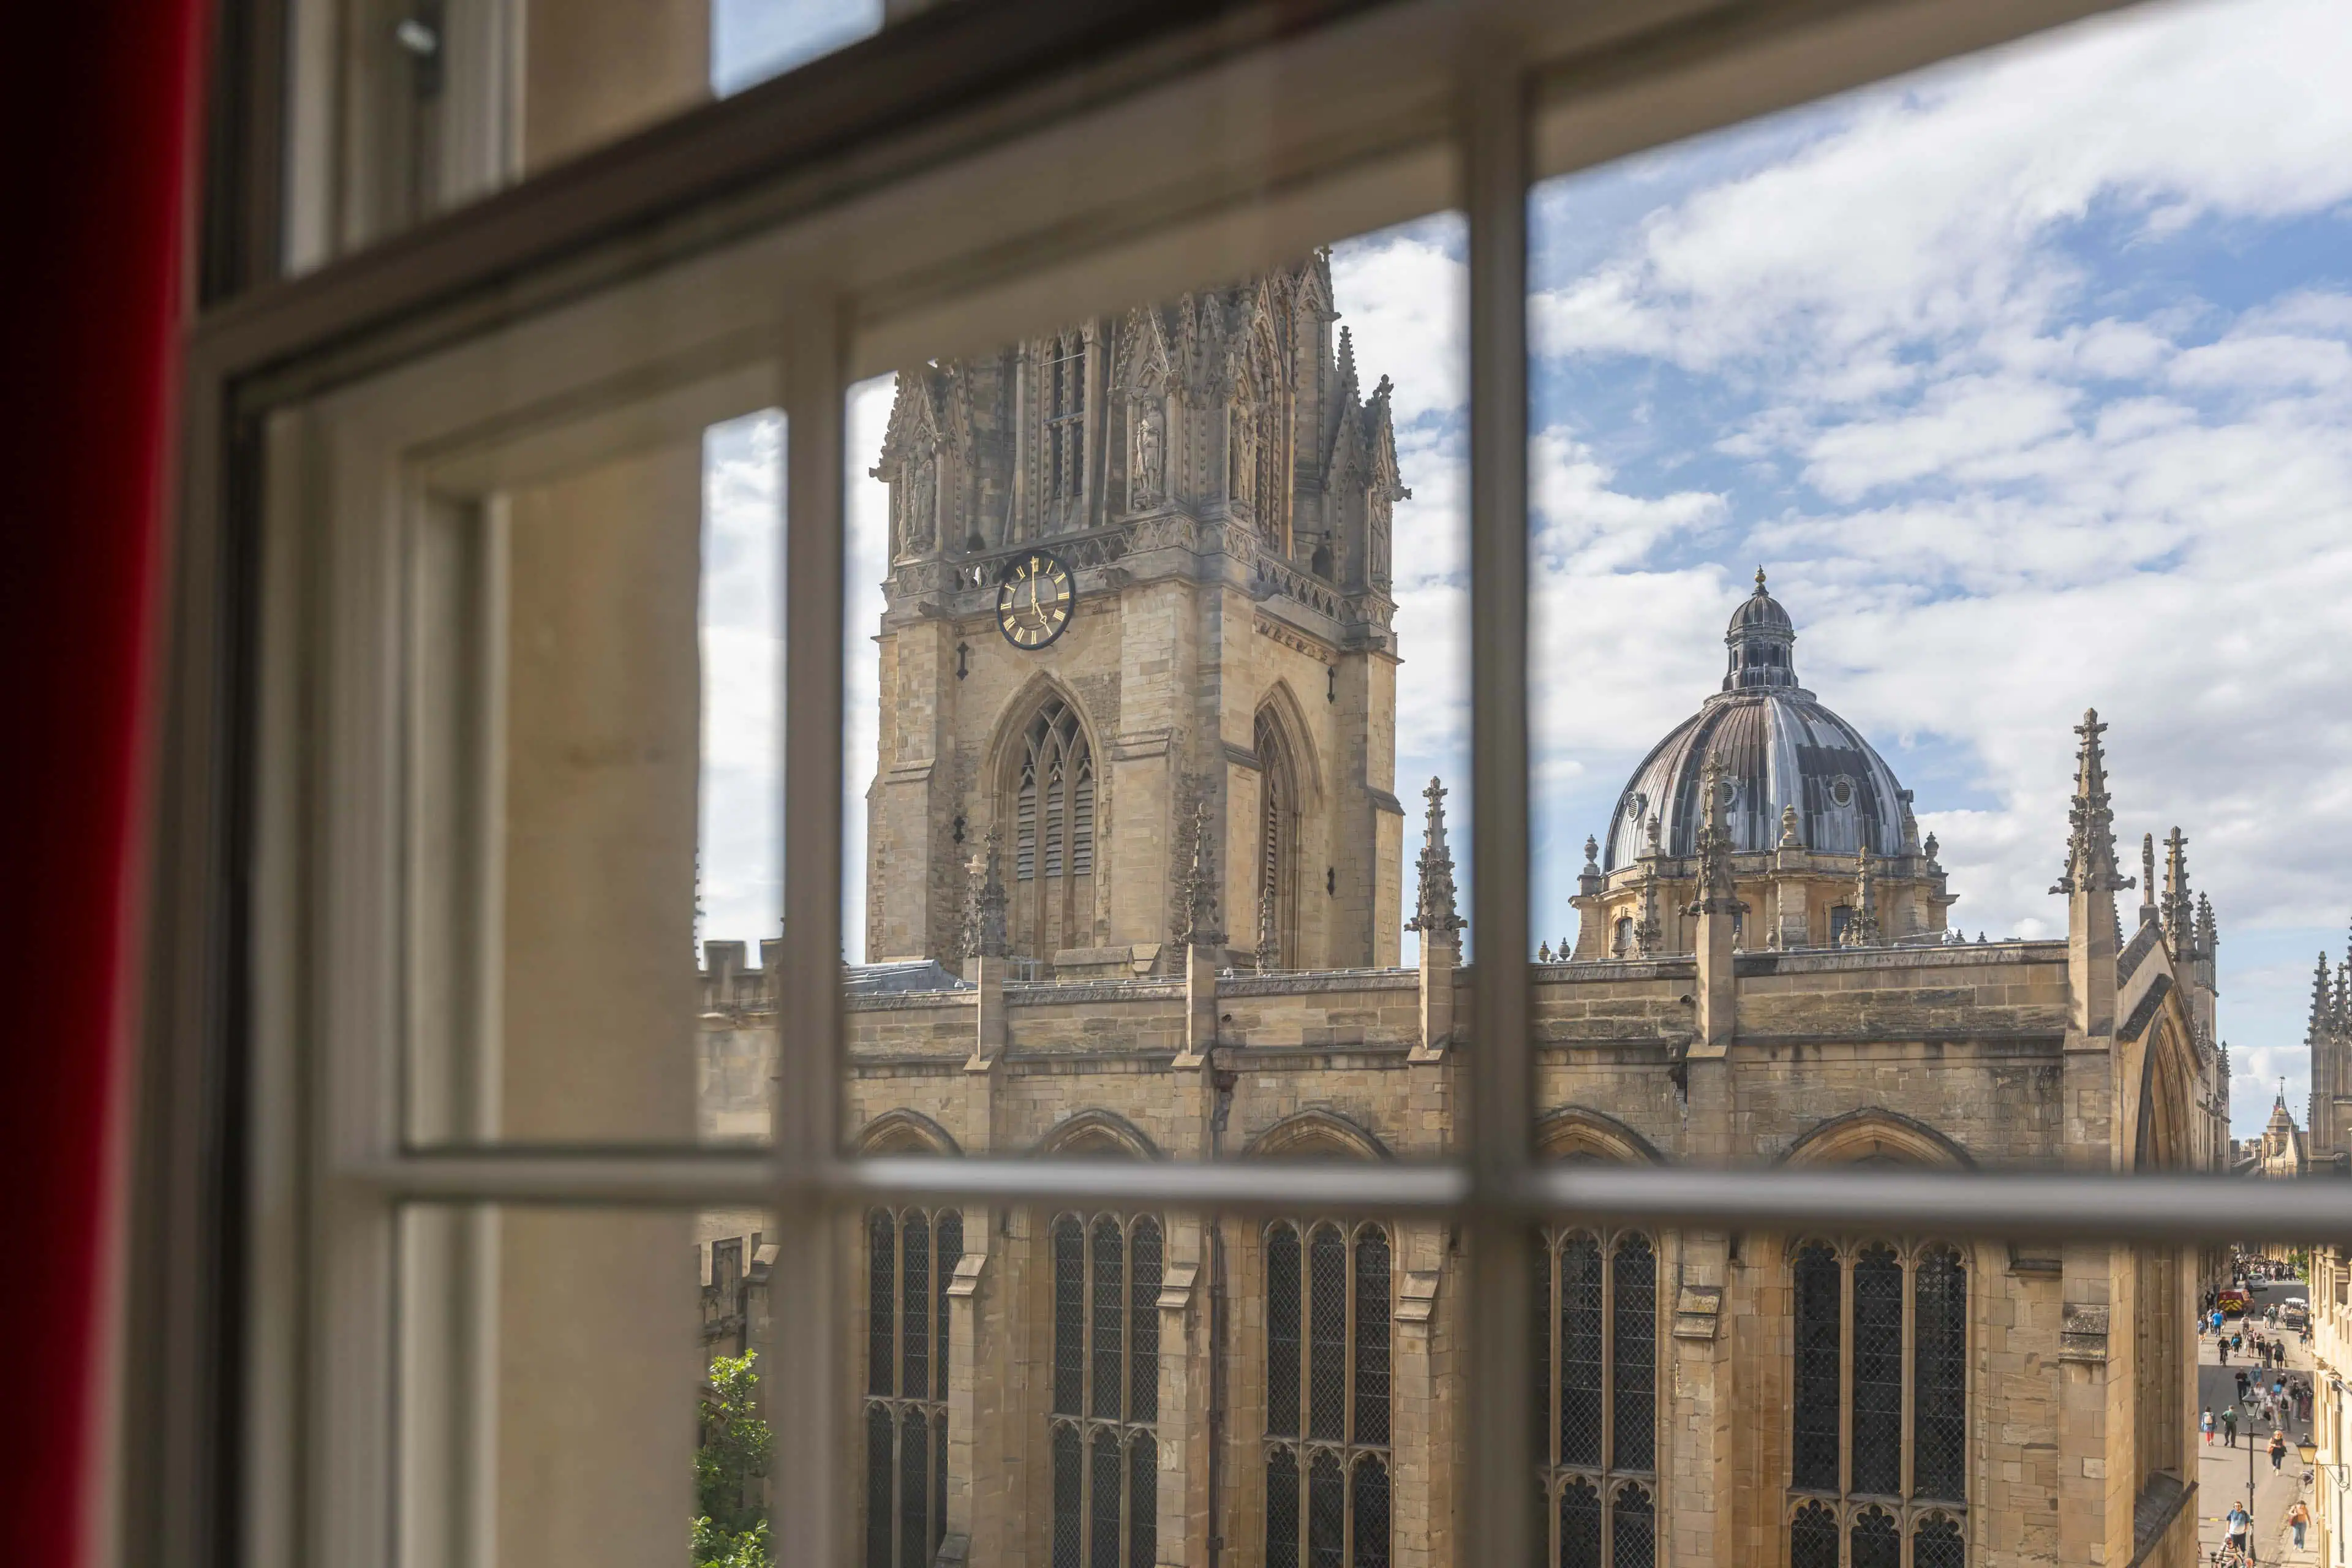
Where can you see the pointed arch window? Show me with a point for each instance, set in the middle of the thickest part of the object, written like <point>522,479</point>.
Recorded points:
<point>1880,1400</point>
<point>1053,812</point>
<point>1328,1294</point>
<point>1596,1311</point>
<point>910,1257</point>
<point>1063,456</point>
<point>1105,1384</point>
<point>1277,845</point>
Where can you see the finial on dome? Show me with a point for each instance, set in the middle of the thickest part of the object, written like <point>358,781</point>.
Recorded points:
<point>1759,579</point>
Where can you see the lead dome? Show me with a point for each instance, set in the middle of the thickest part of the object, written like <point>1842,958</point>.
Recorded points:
<point>1779,747</point>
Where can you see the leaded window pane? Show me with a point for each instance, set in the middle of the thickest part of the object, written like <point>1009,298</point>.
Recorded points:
<point>881,1301</point>
<point>1939,1377</point>
<point>1069,1316</point>
<point>879,1471</point>
<point>1069,1491</point>
<point>1813,1538</point>
<point>939,1478</point>
<point>1876,1541</point>
<point>1282,1307</point>
<point>1633,1529</point>
<point>1540,1405</point>
<point>1327,1351</point>
<point>1326,1514</point>
<point>1142,1501</point>
<point>1579,1525</point>
<point>915,1341</point>
<point>1579,1351</point>
<point>1814,1459</point>
<point>1368,1512</point>
<point>1878,1372</point>
<point>1634,1354</point>
<point>914,1489</point>
<point>1372,1336</point>
<point>1281,1510</point>
<point>1936,1544</point>
<point>1108,1466</point>
<point>1109,1318</point>
<point>1143,1323</point>
<point>950,1253</point>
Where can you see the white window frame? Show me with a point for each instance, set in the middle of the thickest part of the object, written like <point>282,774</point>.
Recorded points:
<point>1062,190</point>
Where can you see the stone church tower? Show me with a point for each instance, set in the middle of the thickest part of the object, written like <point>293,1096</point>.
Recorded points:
<point>1137,568</point>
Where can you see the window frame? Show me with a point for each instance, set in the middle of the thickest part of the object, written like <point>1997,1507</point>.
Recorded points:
<point>259,1197</point>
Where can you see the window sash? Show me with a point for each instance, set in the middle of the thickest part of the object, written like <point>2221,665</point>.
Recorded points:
<point>1548,89</point>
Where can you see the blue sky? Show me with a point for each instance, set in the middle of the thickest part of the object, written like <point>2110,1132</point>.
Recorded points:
<point>2027,378</point>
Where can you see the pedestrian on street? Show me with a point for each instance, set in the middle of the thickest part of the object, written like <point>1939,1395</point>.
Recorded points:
<point>2298,1516</point>
<point>2242,1383</point>
<point>2208,1425</point>
<point>2278,1450</point>
<point>2230,1428</point>
<point>2241,1525</point>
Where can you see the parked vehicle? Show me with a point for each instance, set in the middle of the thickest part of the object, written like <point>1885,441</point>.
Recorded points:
<point>2235,1302</point>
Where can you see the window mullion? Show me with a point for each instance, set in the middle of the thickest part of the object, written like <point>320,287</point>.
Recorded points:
<point>1493,104</point>
<point>808,1090</point>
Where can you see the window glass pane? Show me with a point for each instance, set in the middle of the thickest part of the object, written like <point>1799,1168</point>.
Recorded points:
<point>401,112</point>
<point>593,806</point>
<point>522,1353</point>
<point>1897,463</point>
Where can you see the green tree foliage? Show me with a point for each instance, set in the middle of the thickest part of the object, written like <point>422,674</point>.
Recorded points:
<point>730,1470</point>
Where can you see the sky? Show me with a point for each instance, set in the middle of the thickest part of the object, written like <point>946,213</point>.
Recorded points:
<point>2026,378</point>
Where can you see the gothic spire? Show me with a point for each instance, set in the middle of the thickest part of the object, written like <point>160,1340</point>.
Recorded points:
<point>2091,838</point>
<point>2322,1007</point>
<point>2180,907</point>
<point>2149,913</point>
<point>1202,928</point>
<point>2208,940</point>
<point>1434,912</point>
<point>984,904</point>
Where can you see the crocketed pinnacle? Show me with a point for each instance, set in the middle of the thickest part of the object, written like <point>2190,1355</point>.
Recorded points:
<point>2179,906</point>
<point>2149,913</point>
<point>1202,927</point>
<point>1435,912</point>
<point>2322,1007</point>
<point>2091,839</point>
<point>1861,926</point>
<point>1716,894</point>
<point>984,902</point>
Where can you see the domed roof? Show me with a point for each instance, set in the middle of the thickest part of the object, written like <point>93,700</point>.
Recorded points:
<point>1779,747</point>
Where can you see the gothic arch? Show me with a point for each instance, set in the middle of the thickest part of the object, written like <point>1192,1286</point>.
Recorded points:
<point>1876,1133</point>
<point>904,1132</point>
<point>1045,796</point>
<point>1317,1131</point>
<point>1571,1132</point>
<point>1097,1132</point>
<point>2160,1130</point>
<point>1281,703</point>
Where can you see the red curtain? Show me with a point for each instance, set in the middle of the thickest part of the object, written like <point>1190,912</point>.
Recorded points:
<point>100,152</point>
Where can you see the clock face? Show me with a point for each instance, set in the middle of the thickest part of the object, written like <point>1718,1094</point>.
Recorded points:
<point>1035,598</point>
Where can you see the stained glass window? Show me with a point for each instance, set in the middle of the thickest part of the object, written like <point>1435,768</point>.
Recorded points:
<point>1579,1525</point>
<point>910,1256</point>
<point>1069,1493</point>
<point>1326,1514</point>
<point>1069,1316</point>
<point>1110,1470</point>
<point>1143,1323</point>
<point>1939,1374</point>
<point>914,1489</point>
<point>1369,1502</point>
<point>1877,1372</point>
<point>1876,1542</point>
<point>1579,1351</point>
<point>1936,1544</point>
<point>1109,1320</point>
<point>878,1471</point>
<point>1634,1323</point>
<point>1539,1357</point>
<point>1819,1378</point>
<point>1282,1346</point>
<point>881,1307</point>
<point>1632,1528</point>
<point>1327,1352</point>
<point>1143,1501</point>
<point>1372,1379</point>
<point>1107,1279</point>
<point>1813,1538</point>
<point>1281,1509</point>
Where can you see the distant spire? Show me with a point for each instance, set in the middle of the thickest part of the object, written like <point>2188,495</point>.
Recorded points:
<point>1202,928</point>
<point>2323,1007</point>
<point>2179,906</point>
<point>2208,940</point>
<point>2149,914</point>
<point>1347,359</point>
<point>1435,912</point>
<point>2091,839</point>
<point>984,904</point>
